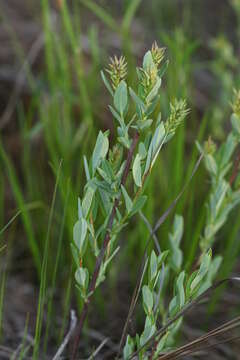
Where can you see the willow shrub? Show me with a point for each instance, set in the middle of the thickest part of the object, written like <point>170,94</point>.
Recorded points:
<point>116,179</point>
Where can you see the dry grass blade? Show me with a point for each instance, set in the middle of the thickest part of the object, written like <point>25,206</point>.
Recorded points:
<point>198,344</point>
<point>99,348</point>
<point>184,310</point>
<point>203,349</point>
<point>73,323</point>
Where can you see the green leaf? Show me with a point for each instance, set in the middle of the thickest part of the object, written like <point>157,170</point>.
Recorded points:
<point>214,267</point>
<point>152,106</point>
<point>173,307</point>
<point>121,98</point>
<point>106,263</point>
<point>80,213</point>
<point>128,348</point>
<point>137,172</point>
<point>163,69</point>
<point>217,198</point>
<point>158,140</point>
<point>162,257</point>
<point>235,124</point>
<point>204,267</point>
<point>178,225</point>
<point>79,234</point>
<point>148,62</point>
<point>227,149</point>
<point>107,168</point>
<point>86,168</point>
<point>101,276</point>
<point>88,198</point>
<point>189,292</point>
<point>179,299</point>
<point>106,83</point>
<point>100,150</point>
<point>154,91</point>
<point>82,277</point>
<point>104,175</point>
<point>155,146</point>
<point>149,330</point>
<point>211,164</point>
<point>147,299</point>
<point>162,343</point>
<point>128,201</point>
<point>174,239</point>
<point>117,116</point>
<point>138,204</point>
<point>139,103</point>
<point>149,158</point>
<point>105,202</point>
<point>143,124</point>
<point>124,141</point>
<point>75,254</point>
<point>153,266</point>
<point>180,289</point>
<point>142,151</point>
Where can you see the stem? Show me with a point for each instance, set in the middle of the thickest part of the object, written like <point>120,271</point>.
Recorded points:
<point>100,258</point>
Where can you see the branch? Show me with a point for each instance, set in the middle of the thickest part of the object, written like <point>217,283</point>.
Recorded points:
<point>72,327</point>
<point>99,348</point>
<point>100,258</point>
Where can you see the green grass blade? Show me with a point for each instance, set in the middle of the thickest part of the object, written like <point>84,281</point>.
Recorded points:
<point>26,219</point>
<point>129,14</point>
<point>54,277</point>
<point>31,206</point>
<point>43,284</point>
<point>102,14</point>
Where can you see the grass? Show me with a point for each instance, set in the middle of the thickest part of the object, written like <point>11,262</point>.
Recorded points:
<point>66,112</point>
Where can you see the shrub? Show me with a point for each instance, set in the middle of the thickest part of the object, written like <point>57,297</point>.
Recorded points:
<point>116,179</point>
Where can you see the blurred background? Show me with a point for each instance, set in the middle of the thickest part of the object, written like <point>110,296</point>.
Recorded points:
<point>52,104</point>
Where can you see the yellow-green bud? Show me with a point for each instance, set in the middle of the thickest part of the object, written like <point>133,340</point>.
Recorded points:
<point>209,146</point>
<point>157,53</point>
<point>117,70</point>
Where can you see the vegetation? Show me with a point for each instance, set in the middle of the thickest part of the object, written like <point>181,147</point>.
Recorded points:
<point>115,159</point>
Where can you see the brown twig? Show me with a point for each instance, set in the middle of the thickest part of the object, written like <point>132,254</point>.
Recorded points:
<point>99,260</point>
<point>72,326</point>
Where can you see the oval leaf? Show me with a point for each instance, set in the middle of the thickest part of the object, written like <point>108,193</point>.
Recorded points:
<point>137,171</point>
<point>121,98</point>
<point>79,233</point>
<point>100,150</point>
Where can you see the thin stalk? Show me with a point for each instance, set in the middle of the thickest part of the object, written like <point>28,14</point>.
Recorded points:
<point>43,283</point>
<point>59,248</point>
<point>19,198</point>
